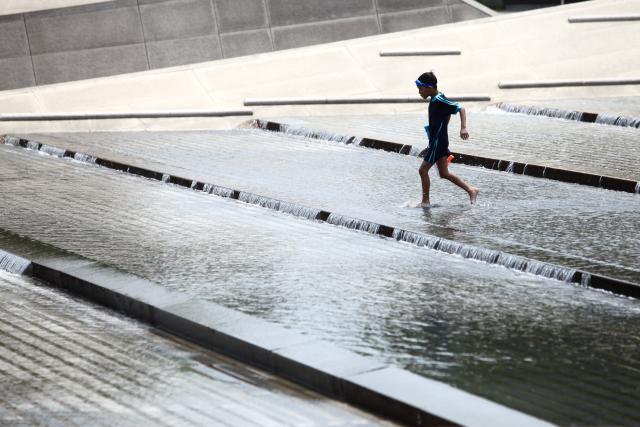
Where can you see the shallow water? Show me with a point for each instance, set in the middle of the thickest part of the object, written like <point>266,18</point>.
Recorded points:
<point>587,147</point>
<point>538,218</point>
<point>65,362</point>
<point>557,351</point>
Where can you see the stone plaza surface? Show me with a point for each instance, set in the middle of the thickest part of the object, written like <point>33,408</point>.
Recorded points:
<point>70,363</point>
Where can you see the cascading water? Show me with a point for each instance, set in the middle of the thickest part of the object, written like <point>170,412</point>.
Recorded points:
<point>165,177</point>
<point>279,205</point>
<point>314,134</point>
<point>353,223</point>
<point>32,145</point>
<point>607,119</point>
<point>486,255</point>
<point>541,111</point>
<point>52,151</point>
<point>13,263</point>
<point>217,190</point>
<point>12,140</point>
<point>84,158</point>
<point>509,168</point>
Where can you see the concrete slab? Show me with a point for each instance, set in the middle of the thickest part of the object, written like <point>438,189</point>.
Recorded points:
<point>96,26</point>
<point>408,20</point>
<point>321,365</point>
<point>14,37</point>
<point>293,12</point>
<point>177,19</point>
<point>241,15</point>
<point>436,399</point>
<point>16,72</point>
<point>169,53</point>
<point>385,6</point>
<point>246,43</point>
<point>84,64</point>
<point>323,32</point>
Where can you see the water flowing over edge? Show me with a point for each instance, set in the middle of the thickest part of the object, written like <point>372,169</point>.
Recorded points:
<point>279,205</point>
<point>13,263</point>
<point>310,133</point>
<point>613,120</point>
<point>84,158</point>
<point>603,119</point>
<point>353,223</point>
<point>490,256</point>
<point>534,110</point>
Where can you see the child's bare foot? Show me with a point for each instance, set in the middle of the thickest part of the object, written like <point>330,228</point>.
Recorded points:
<point>473,194</point>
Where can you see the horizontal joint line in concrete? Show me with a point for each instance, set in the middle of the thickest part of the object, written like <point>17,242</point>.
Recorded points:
<point>420,52</point>
<point>29,117</point>
<point>602,18</point>
<point>524,84</point>
<point>467,251</point>
<point>363,100</point>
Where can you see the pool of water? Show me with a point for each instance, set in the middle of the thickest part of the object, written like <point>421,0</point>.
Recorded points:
<point>557,351</point>
<point>572,225</point>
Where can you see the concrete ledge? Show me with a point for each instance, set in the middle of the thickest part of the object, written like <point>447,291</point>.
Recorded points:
<point>602,18</point>
<point>581,116</point>
<point>520,263</point>
<point>539,171</point>
<point>32,117</point>
<point>423,52</point>
<point>526,84</point>
<point>316,364</point>
<point>354,100</point>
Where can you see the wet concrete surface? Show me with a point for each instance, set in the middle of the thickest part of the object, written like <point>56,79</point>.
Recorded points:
<point>66,362</point>
<point>560,352</point>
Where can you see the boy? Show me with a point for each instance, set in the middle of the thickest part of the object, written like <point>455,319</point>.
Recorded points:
<point>440,111</point>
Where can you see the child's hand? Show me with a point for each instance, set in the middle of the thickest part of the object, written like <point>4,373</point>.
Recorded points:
<point>464,134</point>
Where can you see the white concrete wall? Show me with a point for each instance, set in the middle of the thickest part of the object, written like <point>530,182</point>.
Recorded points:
<point>123,36</point>
<point>10,7</point>
<point>533,45</point>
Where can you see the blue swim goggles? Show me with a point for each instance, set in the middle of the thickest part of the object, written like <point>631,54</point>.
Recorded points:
<point>419,83</point>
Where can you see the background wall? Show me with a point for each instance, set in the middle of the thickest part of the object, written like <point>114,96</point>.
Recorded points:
<point>125,36</point>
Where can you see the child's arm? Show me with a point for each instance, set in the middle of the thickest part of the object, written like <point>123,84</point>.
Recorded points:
<point>464,134</point>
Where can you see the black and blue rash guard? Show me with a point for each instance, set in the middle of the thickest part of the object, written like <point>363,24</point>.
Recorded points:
<point>440,111</point>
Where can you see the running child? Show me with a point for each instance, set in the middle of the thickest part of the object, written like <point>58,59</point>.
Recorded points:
<point>440,111</point>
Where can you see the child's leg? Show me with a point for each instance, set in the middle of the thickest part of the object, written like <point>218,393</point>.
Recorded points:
<point>424,177</point>
<point>443,169</point>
